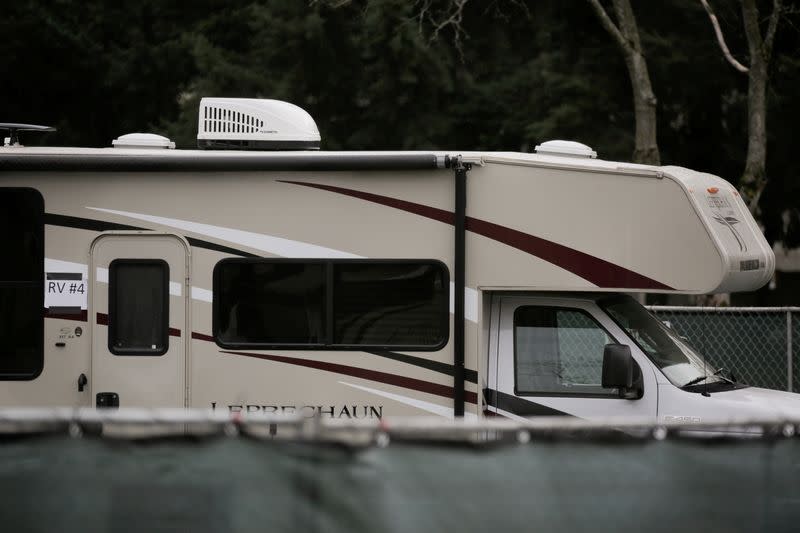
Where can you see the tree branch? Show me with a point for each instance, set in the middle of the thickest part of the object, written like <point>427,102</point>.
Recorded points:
<point>452,18</point>
<point>610,27</point>
<point>721,39</point>
<point>752,31</point>
<point>772,28</point>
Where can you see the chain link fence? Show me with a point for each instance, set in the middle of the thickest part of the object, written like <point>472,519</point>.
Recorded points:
<point>758,345</point>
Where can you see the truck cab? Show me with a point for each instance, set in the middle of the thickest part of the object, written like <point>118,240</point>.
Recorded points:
<point>603,355</point>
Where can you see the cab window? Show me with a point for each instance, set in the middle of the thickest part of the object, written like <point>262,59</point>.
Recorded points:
<point>558,351</point>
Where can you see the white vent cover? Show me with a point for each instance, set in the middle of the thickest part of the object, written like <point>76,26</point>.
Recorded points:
<point>566,149</point>
<point>249,123</point>
<point>142,140</point>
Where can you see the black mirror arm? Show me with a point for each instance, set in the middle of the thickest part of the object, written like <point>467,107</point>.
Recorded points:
<point>636,391</point>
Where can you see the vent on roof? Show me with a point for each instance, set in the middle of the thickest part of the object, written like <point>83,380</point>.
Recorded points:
<point>566,149</point>
<point>253,124</point>
<point>142,140</point>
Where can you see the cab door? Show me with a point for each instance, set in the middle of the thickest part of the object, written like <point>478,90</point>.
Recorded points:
<point>139,318</point>
<point>546,358</point>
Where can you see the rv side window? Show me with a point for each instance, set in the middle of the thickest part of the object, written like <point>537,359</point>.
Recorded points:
<point>333,305</point>
<point>383,304</point>
<point>21,284</point>
<point>263,302</point>
<point>138,307</point>
<point>558,351</point>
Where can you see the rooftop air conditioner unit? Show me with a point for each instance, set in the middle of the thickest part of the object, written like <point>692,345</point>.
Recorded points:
<point>255,124</point>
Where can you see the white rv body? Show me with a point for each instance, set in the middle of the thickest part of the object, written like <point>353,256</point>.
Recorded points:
<point>549,240</point>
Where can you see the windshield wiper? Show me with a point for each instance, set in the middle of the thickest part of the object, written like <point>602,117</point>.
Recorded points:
<point>694,381</point>
<point>719,372</point>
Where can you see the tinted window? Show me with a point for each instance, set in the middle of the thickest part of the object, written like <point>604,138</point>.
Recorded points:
<point>331,304</point>
<point>21,283</point>
<point>138,307</point>
<point>21,212</point>
<point>558,350</point>
<point>21,315</point>
<point>269,302</point>
<point>390,304</point>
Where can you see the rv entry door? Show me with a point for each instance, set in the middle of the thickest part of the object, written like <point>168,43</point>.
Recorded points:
<point>139,283</point>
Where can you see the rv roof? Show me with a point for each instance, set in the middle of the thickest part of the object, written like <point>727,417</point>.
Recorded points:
<point>143,159</point>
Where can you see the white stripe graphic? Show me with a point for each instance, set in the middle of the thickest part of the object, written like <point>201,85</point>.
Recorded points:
<point>56,265</point>
<point>175,288</point>
<point>512,416</point>
<point>203,295</point>
<point>470,302</point>
<point>257,241</point>
<point>446,412</point>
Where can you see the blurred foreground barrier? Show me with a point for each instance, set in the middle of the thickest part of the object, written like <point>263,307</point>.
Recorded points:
<point>85,471</point>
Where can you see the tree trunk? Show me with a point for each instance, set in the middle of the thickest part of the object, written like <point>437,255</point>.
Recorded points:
<point>644,104</point>
<point>626,34</point>
<point>754,177</point>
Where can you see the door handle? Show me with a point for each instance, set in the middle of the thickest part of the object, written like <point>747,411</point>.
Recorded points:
<point>82,381</point>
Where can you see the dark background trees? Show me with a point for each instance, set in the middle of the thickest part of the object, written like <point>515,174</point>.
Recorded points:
<point>376,74</point>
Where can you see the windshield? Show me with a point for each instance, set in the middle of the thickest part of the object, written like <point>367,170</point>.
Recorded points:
<point>676,359</point>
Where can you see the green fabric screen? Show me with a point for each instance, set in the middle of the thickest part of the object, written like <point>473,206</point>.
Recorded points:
<point>241,484</point>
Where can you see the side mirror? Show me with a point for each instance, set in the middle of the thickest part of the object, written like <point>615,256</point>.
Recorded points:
<point>621,372</point>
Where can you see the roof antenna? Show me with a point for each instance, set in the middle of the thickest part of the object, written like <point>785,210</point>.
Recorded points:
<point>14,129</point>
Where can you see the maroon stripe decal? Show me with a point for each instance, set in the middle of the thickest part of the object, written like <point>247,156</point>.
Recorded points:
<point>102,319</point>
<point>202,337</point>
<point>593,269</point>
<point>363,373</point>
<point>418,209</point>
<point>598,271</point>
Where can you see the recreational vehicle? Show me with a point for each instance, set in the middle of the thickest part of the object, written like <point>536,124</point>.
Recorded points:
<point>261,274</point>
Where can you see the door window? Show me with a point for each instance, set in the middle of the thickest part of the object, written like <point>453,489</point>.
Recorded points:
<point>558,351</point>
<point>138,307</point>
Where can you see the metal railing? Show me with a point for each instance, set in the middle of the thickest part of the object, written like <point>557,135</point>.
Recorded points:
<point>144,423</point>
<point>758,345</point>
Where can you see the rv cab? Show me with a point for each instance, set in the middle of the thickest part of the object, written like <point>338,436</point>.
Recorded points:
<point>597,355</point>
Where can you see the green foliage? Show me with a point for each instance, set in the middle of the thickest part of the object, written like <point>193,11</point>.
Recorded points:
<point>375,75</point>
<point>93,69</point>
